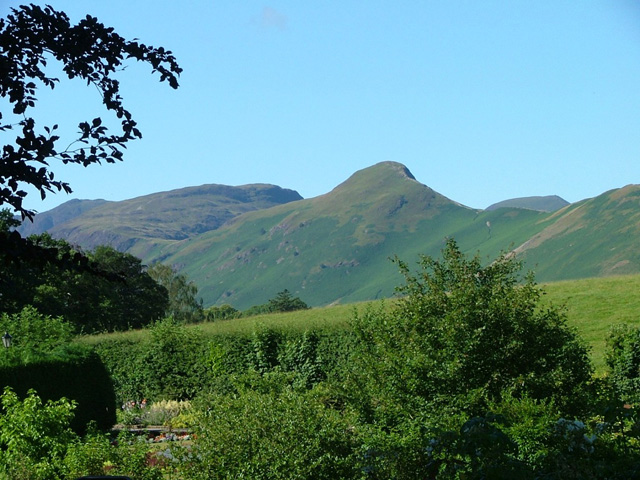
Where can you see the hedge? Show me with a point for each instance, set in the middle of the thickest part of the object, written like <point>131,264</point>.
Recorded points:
<point>80,376</point>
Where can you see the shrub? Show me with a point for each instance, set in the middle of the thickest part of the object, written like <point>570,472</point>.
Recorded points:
<point>623,360</point>
<point>34,436</point>
<point>271,432</point>
<point>98,455</point>
<point>172,361</point>
<point>35,336</point>
<point>464,333</point>
<point>222,312</point>
<point>74,372</point>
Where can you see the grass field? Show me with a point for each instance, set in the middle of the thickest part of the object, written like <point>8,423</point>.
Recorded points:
<point>592,307</point>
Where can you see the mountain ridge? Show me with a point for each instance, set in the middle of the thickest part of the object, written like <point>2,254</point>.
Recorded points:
<point>336,247</point>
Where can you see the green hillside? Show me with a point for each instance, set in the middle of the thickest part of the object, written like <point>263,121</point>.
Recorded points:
<point>596,237</point>
<point>336,248</point>
<point>138,224</point>
<point>549,203</point>
<point>242,245</point>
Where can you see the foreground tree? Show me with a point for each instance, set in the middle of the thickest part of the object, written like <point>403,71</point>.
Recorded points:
<point>30,37</point>
<point>466,340</point>
<point>97,291</point>
<point>464,334</point>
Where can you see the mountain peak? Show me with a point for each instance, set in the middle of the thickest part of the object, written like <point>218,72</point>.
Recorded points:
<point>381,175</point>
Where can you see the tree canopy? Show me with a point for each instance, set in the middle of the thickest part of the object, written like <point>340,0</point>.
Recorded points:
<point>96,291</point>
<point>30,37</point>
<point>464,335</point>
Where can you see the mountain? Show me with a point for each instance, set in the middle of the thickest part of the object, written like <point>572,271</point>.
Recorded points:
<point>592,238</point>
<point>242,245</point>
<point>66,212</point>
<point>137,225</point>
<point>550,203</point>
<point>336,247</point>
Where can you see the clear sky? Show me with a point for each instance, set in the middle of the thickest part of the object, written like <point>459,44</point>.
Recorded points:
<point>481,100</point>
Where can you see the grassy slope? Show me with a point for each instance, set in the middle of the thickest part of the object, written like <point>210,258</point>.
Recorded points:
<point>336,248</point>
<point>592,307</point>
<point>595,237</point>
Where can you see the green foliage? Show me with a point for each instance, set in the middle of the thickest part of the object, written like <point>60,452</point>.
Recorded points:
<point>108,291</point>
<point>285,302</point>
<point>222,312</point>
<point>623,360</point>
<point>271,432</point>
<point>301,356</point>
<point>173,361</point>
<point>34,335</point>
<point>265,345</point>
<point>463,334</point>
<point>33,436</point>
<point>42,357</point>
<point>170,363</point>
<point>282,302</point>
<point>478,449</point>
<point>256,310</point>
<point>32,37</point>
<point>132,299</point>
<point>7,220</point>
<point>76,373</point>
<point>184,305</point>
<point>98,455</point>
<point>122,359</point>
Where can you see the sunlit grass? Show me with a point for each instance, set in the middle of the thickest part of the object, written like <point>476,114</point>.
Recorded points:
<point>592,307</point>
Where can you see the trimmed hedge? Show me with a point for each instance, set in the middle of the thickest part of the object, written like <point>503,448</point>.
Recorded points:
<point>80,376</point>
<point>177,362</point>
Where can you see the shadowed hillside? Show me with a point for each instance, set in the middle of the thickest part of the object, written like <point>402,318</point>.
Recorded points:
<point>137,224</point>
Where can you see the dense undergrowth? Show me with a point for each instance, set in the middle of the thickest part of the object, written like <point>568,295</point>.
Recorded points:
<point>471,373</point>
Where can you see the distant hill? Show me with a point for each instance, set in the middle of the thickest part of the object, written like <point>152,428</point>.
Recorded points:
<point>66,212</point>
<point>137,224</point>
<point>550,203</point>
<point>242,245</point>
<point>336,247</point>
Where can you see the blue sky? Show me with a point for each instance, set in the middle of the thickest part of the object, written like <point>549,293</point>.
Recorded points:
<point>482,101</point>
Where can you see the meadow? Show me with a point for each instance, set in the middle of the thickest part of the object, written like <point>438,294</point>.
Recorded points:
<point>592,306</point>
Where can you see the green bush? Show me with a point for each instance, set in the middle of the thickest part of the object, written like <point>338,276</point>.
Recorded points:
<point>172,361</point>
<point>222,312</point>
<point>464,333</point>
<point>170,364</point>
<point>42,358</point>
<point>269,431</point>
<point>79,375</point>
<point>34,436</point>
<point>98,455</point>
<point>35,336</point>
<point>122,360</point>
<point>623,360</point>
